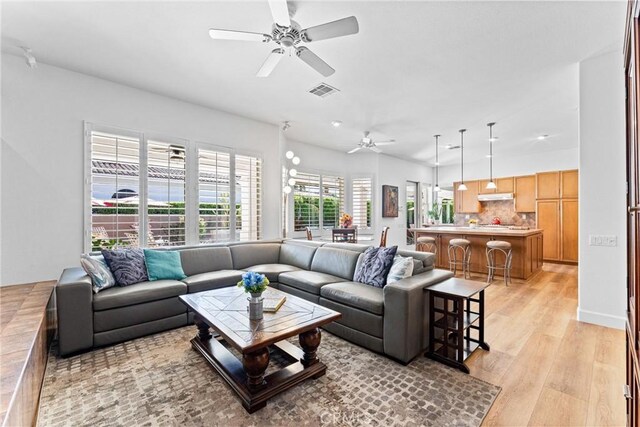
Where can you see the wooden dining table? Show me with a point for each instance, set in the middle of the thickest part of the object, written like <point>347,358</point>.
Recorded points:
<point>348,235</point>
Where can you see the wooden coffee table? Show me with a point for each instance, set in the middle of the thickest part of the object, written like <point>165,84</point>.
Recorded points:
<point>225,310</point>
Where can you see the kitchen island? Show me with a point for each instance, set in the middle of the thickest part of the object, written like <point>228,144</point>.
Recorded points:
<point>526,246</point>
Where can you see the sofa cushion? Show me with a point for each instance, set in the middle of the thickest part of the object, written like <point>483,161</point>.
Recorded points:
<point>212,280</point>
<point>424,261</point>
<point>163,265</point>
<point>204,260</point>
<point>245,255</point>
<point>127,265</point>
<point>354,294</point>
<point>97,269</point>
<point>355,247</point>
<point>337,262</point>
<point>309,281</point>
<point>272,271</point>
<point>138,293</point>
<point>355,318</point>
<point>297,254</point>
<point>122,317</point>
<point>401,269</point>
<point>375,266</point>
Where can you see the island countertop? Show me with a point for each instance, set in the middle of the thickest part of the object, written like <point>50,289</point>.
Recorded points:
<point>480,231</point>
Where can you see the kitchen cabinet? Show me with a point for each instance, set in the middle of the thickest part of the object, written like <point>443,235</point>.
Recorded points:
<point>525,244</point>
<point>548,217</point>
<point>525,193</point>
<point>504,185</point>
<point>569,184</point>
<point>548,185</point>
<point>467,201</point>
<point>569,229</point>
<point>557,214</point>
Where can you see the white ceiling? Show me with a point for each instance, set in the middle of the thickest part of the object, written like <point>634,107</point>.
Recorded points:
<point>415,68</point>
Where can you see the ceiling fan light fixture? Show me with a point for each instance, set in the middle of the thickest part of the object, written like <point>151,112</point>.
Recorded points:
<point>543,137</point>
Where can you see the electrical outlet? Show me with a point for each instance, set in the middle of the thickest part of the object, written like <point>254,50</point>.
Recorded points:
<point>597,240</point>
<point>524,216</point>
<point>467,216</point>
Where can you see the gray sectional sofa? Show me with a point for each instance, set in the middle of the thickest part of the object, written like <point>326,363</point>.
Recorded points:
<point>390,320</point>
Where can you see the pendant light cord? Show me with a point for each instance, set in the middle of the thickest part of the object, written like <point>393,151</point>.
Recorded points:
<point>462,131</point>
<point>437,163</point>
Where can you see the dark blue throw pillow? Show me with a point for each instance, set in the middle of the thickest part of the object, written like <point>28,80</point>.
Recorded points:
<point>375,266</point>
<point>127,265</point>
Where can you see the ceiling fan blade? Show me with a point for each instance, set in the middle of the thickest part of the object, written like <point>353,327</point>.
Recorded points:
<point>354,150</point>
<point>270,63</point>
<point>339,28</point>
<point>280,12</point>
<point>219,34</point>
<point>389,142</point>
<point>375,150</point>
<point>314,61</point>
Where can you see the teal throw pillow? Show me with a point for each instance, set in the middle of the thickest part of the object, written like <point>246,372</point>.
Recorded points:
<point>164,265</point>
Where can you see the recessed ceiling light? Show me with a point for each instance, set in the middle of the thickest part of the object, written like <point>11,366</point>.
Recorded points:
<point>542,137</point>
<point>336,123</point>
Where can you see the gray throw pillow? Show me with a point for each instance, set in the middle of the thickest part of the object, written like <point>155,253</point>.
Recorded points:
<point>375,266</point>
<point>127,265</point>
<point>101,276</point>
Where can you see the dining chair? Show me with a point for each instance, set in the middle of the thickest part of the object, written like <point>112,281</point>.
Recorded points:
<point>383,238</point>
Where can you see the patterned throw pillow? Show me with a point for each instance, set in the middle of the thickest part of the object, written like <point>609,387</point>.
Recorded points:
<point>127,266</point>
<point>401,269</point>
<point>375,266</point>
<point>100,274</point>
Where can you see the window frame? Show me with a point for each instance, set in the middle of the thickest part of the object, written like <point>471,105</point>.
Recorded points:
<point>371,230</point>
<point>191,180</point>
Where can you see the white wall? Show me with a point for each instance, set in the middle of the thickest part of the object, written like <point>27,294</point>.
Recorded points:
<point>385,170</point>
<point>602,270</point>
<point>510,165</point>
<point>43,110</point>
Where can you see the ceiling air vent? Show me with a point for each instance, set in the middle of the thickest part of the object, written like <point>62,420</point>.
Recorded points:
<point>323,90</point>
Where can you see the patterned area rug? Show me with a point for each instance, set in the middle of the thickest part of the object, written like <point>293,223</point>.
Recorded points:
<point>161,380</point>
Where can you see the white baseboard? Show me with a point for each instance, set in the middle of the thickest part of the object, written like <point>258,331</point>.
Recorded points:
<point>601,319</point>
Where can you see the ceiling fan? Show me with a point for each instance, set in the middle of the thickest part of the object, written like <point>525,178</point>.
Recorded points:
<point>287,33</point>
<point>367,142</point>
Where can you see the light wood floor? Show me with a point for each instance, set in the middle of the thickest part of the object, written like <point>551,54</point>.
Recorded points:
<point>553,370</point>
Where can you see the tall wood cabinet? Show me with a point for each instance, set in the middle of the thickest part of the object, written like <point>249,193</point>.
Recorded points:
<point>525,193</point>
<point>557,214</point>
<point>631,51</point>
<point>467,201</point>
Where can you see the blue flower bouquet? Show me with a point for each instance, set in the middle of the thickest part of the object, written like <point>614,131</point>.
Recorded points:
<point>253,283</point>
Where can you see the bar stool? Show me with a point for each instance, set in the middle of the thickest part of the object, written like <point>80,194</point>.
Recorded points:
<point>459,252</point>
<point>493,247</point>
<point>427,244</point>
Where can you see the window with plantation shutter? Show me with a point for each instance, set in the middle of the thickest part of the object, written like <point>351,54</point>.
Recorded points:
<point>166,174</point>
<point>248,173</point>
<point>332,200</point>
<point>214,195</point>
<point>115,189</point>
<point>361,201</point>
<point>306,201</point>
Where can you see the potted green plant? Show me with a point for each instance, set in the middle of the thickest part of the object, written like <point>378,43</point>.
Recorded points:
<point>435,212</point>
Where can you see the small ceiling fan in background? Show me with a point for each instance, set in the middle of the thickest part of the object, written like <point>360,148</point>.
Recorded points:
<point>367,142</point>
<point>287,33</point>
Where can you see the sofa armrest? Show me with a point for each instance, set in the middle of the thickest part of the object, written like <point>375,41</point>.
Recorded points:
<point>74,298</point>
<point>406,314</point>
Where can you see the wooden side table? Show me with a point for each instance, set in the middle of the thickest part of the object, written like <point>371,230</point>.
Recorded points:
<point>456,320</point>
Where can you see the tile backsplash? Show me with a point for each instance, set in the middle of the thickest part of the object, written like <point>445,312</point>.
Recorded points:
<point>503,209</point>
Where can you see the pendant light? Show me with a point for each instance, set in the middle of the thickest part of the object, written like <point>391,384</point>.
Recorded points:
<point>462,186</point>
<point>437,187</point>
<point>491,185</point>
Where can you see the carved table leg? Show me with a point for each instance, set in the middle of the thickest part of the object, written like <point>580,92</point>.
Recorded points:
<point>309,341</point>
<point>203,329</point>
<point>255,364</point>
